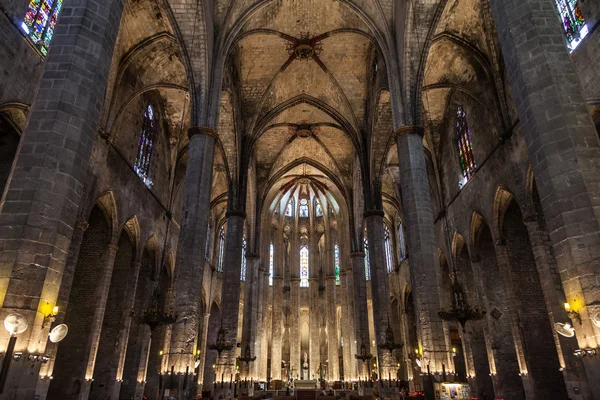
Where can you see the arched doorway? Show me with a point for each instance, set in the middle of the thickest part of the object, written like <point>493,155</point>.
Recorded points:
<point>110,346</point>
<point>134,370</point>
<point>507,383</point>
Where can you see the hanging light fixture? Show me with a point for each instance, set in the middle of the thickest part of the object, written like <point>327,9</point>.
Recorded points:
<point>460,311</point>
<point>247,358</point>
<point>363,355</point>
<point>154,316</point>
<point>220,344</point>
<point>389,343</point>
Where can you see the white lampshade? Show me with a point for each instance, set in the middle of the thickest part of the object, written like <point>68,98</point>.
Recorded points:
<point>15,323</point>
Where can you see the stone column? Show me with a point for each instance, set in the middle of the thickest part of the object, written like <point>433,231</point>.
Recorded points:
<point>555,298</point>
<point>250,319</point>
<point>422,246</point>
<point>265,326</point>
<point>276,341</point>
<point>563,148</point>
<point>347,325</point>
<point>332,330</point>
<point>203,350</point>
<point>295,358</point>
<point>361,313</point>
<point>189,270</point>
<point>314,328</point>
<point>230,293</point>
<point>42,198</point>
<point>379,289</point>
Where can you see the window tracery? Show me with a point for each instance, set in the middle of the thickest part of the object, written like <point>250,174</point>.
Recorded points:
<point>304,266</point>
<point>288,210</point>
<point>243,273</point>
<point>388,249</point>
<point>221,249</point>
<point>367,262</point>
<point>207,246</point>
<point>145,145</point>
<point>40,21</point>
<point>465,147</point>
<point>318,210</point>
<point>303,213</point>
<point>401,240</point>
<point>336,255</point>
<point>271,250</point>
<point>573,22</point>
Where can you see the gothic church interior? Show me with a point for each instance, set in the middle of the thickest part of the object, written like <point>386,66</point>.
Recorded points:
<point>300,199</point>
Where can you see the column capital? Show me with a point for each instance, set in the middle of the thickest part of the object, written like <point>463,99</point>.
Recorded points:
<point>357,254</point>
<point>235,213</point>
<point>374,213</point>
<point>530,218</point>
<point>202,130</point>
<point>405,130</point>
<point>112,246</point>
<point>252,256</point>
<point>81,224</point>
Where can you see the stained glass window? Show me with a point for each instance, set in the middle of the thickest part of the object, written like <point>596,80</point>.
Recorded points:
<point>303,208</point>
<point>40,21</point>
<point>401,241</point>
<point>367,262</point>
<point>318,210</point>
<point>271,251</point>
<point>288,210</point>
<point>336,255</point>
<point>243,274</point>
<point>304,266</point>
<point>207,249</point>
<point>465,147</point>
<point>145,144</point>
<point>387,241</point>
<point>221,249</point>
<point>573,22</point>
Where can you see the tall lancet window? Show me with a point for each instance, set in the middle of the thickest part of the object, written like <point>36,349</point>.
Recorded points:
<point>304,266</point>
<point>288,210</point>
<point>40,21</point>
<point>401,241</point>
<point>367,262</point>
<point>318,210</point>
<point>145,144</point>
<point>271,251</point>
<point>207,249</point>
<point>303,213</point>
<point>336,255</point>
<point>387,241</point>
<point>573,22</point>
<point>243,274</point>
<point>221,249</point>
<point>465,147</point>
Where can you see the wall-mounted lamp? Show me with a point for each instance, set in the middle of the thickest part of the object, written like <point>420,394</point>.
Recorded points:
<point>454,352</point>
<point>33,357</point>
<point>17,356</point>
<point>50,315</point>
<point>574,315</point>
<point>585,352</point>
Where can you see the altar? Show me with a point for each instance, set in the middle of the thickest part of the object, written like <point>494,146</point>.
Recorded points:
<point>306,384</point>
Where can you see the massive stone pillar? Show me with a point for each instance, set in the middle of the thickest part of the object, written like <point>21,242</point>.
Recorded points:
<point>314,329</point>
<point>347,327</point>
<point>424,262</point>
<point>379,288</point>
<point>294,318</point>
<point>202,343</point>
<point>250,321</point>
<point>276,337</point>
<point>189,270</point>
<point>263,354</point>
<point>230,294</point>
<point>331,309</point>
<point>41,200</point>
<point>563,148</point>
<point>361,313</point>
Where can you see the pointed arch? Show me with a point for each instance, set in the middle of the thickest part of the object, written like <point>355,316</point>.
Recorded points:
<point>108,204</point>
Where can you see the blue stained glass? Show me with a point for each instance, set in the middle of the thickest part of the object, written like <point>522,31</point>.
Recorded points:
<point>388,249</point>
<point>318,210</point>
<point>573,22</point>
<point>288,210</point>
<point>145,146</point>
<point>465,147</point>
<point>401,241</point>
<point>221,249</point>
<point>336,255</point>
